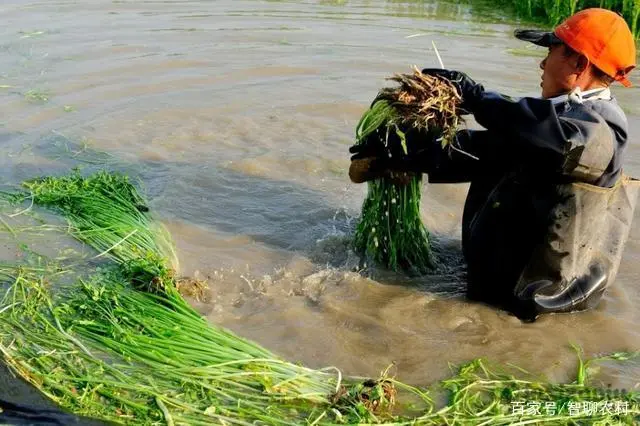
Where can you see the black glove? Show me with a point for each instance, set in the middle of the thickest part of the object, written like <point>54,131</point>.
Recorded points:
<point>469,90</point>
<point>370,159</point>
<point>381,143</point>
<point>381,154</point>
<point>372,146</point>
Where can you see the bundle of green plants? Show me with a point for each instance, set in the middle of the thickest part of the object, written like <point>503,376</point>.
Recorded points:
<point>111,352</point>
<point>103,210</point>
<point>390,230</point>
<point>123,345</point>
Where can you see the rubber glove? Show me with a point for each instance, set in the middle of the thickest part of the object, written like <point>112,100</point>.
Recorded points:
<point>370,158</point>
<point>470,91</point>
<point>381,154</point>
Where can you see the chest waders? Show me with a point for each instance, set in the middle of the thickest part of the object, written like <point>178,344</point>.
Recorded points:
<point>582,249</point>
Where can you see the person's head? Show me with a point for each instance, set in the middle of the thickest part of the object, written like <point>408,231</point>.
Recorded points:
<point>591,49</point>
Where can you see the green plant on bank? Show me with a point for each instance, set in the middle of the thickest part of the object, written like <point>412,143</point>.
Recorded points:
<point>552,12</point>
<point>390,231</point>
<point>121,344</point>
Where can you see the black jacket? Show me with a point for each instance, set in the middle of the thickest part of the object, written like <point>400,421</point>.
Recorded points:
<point>518,167</point>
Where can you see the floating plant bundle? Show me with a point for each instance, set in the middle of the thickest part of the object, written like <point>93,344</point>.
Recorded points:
<point>391,231</point>
<point>105,211</point>
<point>121,344</point>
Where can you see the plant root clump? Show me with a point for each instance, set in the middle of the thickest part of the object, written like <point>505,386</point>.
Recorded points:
<point>192,287</point>
<point>424,102</point>
<point>373,397</point>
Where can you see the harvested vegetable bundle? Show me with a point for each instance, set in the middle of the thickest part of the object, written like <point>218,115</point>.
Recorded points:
<point>123,345</point>
<point>118,354</point>
<point>391,231</point>
<point>105,211</point>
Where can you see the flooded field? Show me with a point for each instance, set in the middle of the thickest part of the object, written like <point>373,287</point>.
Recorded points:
<point>236,116</point>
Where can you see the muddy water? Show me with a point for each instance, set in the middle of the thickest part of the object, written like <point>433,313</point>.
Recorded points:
<point>236,115</point>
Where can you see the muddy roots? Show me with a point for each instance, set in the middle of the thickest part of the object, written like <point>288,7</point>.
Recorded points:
<point>424,102</point>
<point>375,398</point>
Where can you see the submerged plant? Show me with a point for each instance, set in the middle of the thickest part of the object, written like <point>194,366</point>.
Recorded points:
<point>390,230</point>
<point>37,96</point>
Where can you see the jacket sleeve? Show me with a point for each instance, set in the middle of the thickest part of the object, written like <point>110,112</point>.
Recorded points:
<point>575,141</point>
<point>462,164</point>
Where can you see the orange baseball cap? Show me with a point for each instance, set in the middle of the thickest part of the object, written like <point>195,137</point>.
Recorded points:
<point>601,35</point>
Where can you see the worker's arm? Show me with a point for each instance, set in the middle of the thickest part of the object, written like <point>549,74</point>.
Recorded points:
<point>570,138</point>
<point>576,141</point>
<point>457,164</point>
<point>460,162</point>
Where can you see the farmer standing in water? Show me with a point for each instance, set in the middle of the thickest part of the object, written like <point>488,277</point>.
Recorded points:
<point>548,209</point>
